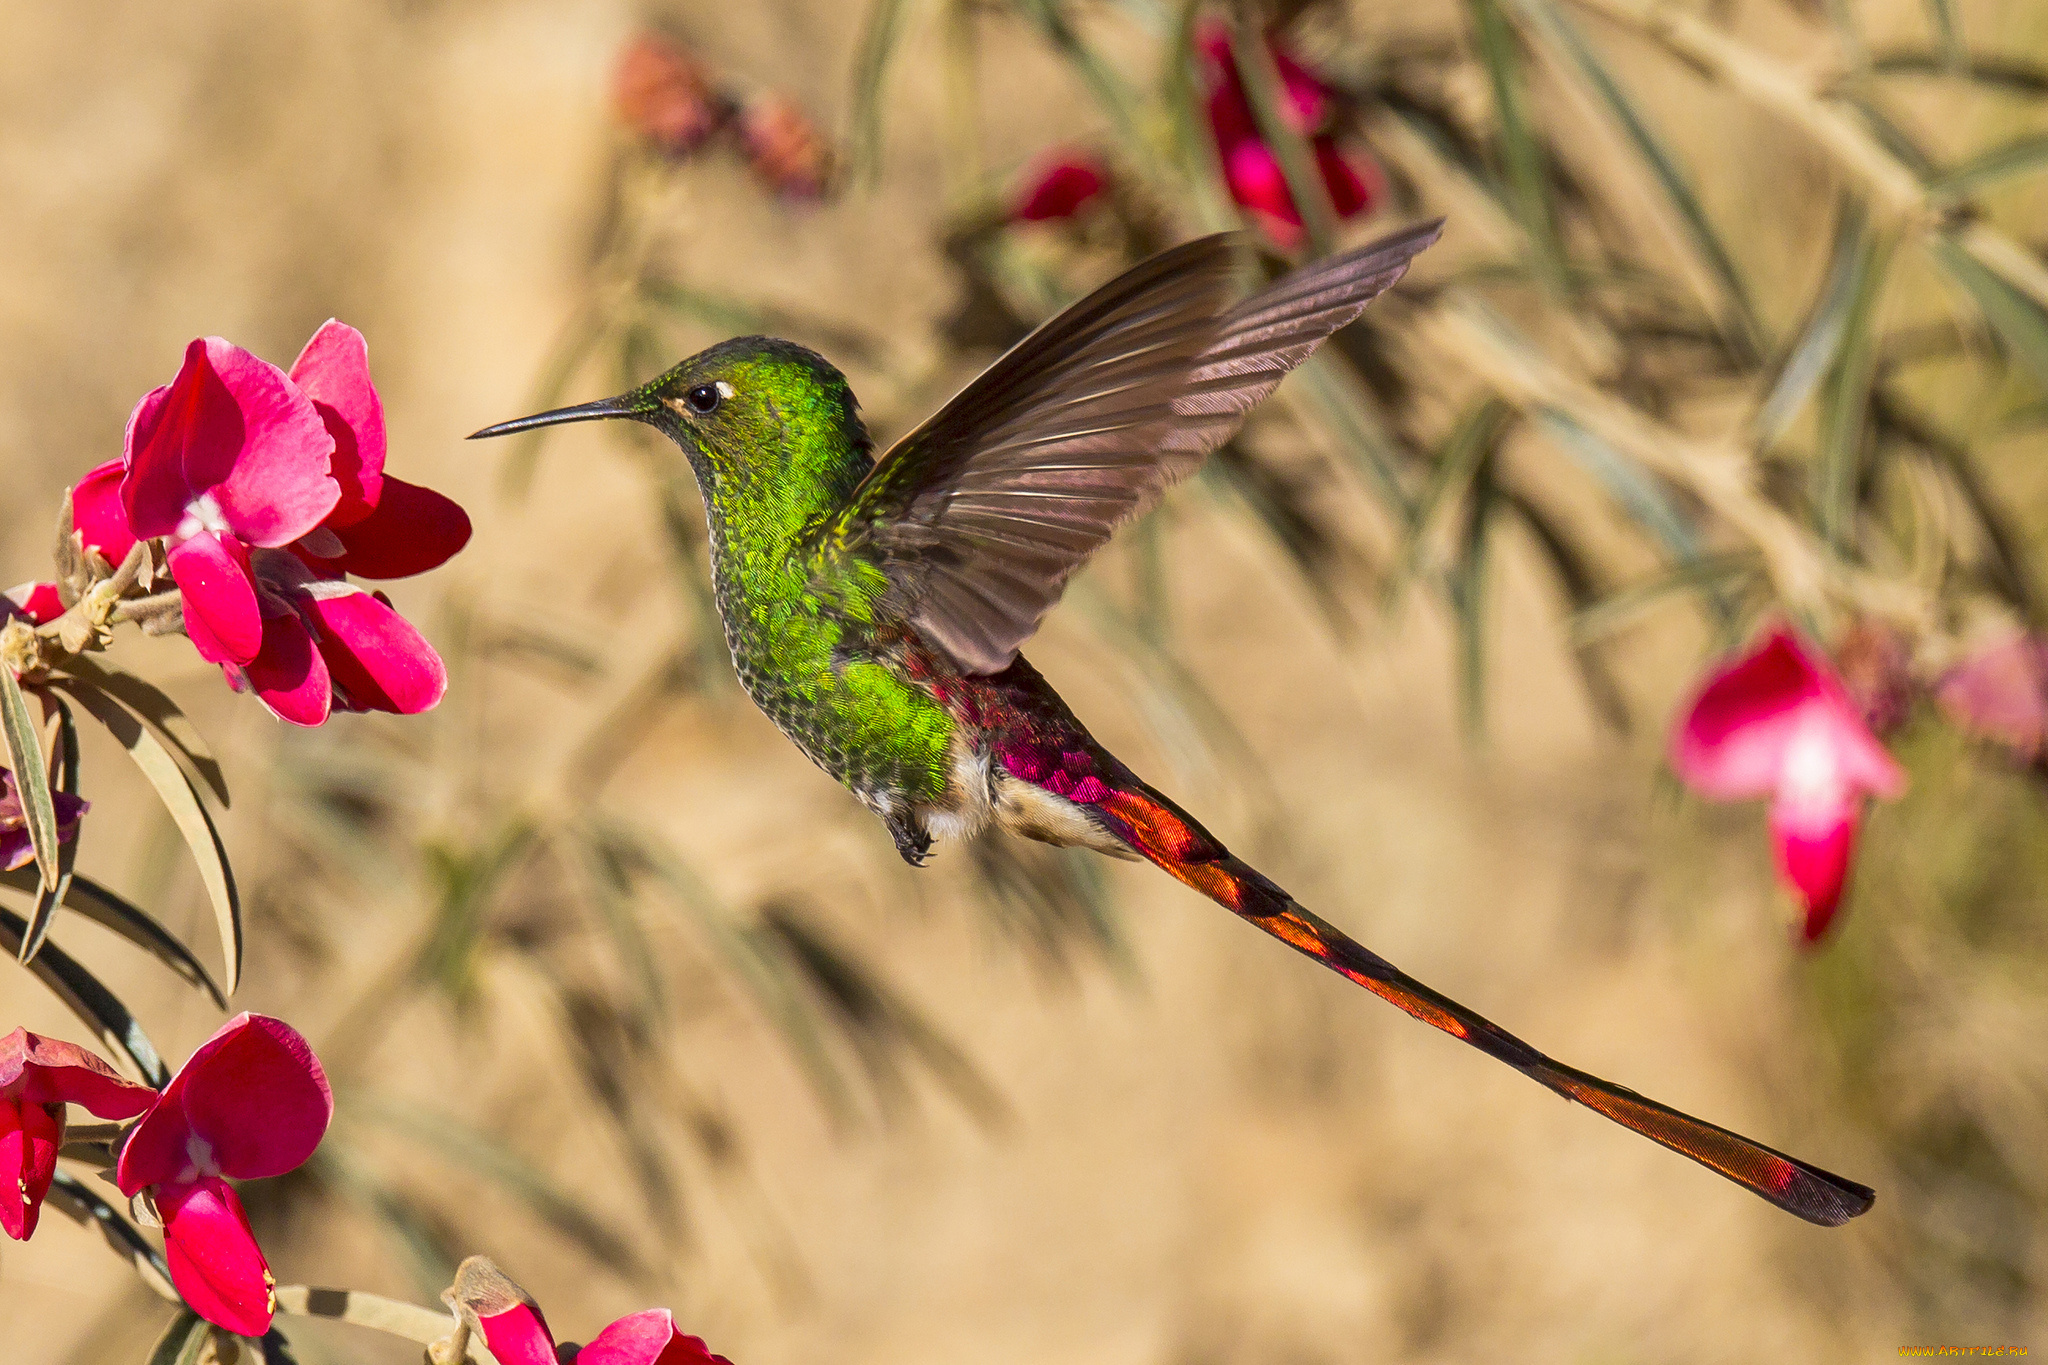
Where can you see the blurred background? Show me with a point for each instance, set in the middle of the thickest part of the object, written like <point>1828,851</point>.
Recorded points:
<point>1740,313</point>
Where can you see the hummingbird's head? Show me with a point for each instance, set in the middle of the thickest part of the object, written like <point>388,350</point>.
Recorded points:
<point>757,416</point>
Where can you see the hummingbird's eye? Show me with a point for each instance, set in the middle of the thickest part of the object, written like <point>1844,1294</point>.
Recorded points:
<point>705,398</point>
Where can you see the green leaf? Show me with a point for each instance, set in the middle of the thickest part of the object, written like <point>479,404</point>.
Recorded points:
<point>31,781</point>
<point>82,1204</point>
<point>1845,406</point>
<point>64,780</point>
<point>2008,75</point>
<point>1452,470</point>
<point>1948,31</point>
<point>1820,338</point>
<point>1468,583</point>
<point>103,907</point>
<point>2018,320</point>
<point>880,36</point>
<point>1192,139</point>
<point>1626,605</point>
<point>183,1341</point>
<point>100,1009</point>
<point>1523,161</point>
<point>187,811</point>
<point>1576,576</point>
<point>476,1152</point>
<point>1110,89</point>
<point>2021,156</point>
<point>1739,322</point>
<point>1263,89</point>
<point>149,702</point>
<point>1638,492</point>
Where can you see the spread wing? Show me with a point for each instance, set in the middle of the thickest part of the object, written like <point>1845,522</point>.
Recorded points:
<point>978,517</point>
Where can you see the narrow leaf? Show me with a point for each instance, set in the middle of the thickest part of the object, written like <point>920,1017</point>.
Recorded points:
<point>1522,156</point>
<point>476,1152</point>
<point>1845,408</point>
<point>1260,75</point>
<point>31,781</point>
<point>156,708</point>
<point>183,1341</point>
<point>1813,354</point>
<point>1468,583</point>
<point>2009,75</point>
<point>82,1204</point>
<point>111,911</point>
<point>1638,492</point>
<point>1739,322</point>
<point>100,1009</point>
<point>2022,156</point>
<point>1627,605</point>
<point>181,799</point>
<point>879,39</point>
<point>1948,32</point>
<point>2017,319</point>
<point>63,780</point>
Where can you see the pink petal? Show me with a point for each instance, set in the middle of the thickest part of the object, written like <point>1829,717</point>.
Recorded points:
<point>1732,742</point>
<point>1059,190</point>
<point>1814,844</point>
<point>288,675</point>
<point>1355,184</point>
<point>379,662</point>
<point>648,1338</point>
<point>215,1263</point>
<point>234,429</point>
<point>334,371</point>
<point>2000,693</point>
<point>213,575</point>
<point>1256,181</point>
<point>96,511</point>
<point>413,529</point>
<point>42,1070</point>
<point>38,602</point>
<point>16,850</point>
<point>518,1335</point>
<point>253,1095</point>
<point>30,1135</point>
<point>1308,99</point>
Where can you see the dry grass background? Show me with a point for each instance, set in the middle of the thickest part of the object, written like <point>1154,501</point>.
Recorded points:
<point>1230,1156</point>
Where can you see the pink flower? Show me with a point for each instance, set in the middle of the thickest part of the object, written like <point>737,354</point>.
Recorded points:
<point>517,1334</point>
<point>229,455</point>
<point>15,848</point>
<point>37,603</point>
<point>98,516</point>
<point>2000,693</point>
<point>272,490</point>
<point>38,1077</point>
<point>251,1102</point>
<point>1778,723</point>
<point>1059,187</point>
<point>664,95</point>
<point>1251,170</point>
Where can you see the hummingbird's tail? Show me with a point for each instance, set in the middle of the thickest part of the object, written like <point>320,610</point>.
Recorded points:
<point>1161,833</point>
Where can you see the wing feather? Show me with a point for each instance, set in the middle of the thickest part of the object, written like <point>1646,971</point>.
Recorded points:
<point>980,516</point>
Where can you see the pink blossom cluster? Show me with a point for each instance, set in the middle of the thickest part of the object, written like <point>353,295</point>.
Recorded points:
<point>268,491</point>
<point>250,1103</point>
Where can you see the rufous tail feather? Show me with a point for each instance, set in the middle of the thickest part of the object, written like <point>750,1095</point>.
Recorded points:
<point>1161,833</point>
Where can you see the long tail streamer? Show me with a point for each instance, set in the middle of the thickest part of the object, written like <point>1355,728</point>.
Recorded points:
<point>1164,835</point>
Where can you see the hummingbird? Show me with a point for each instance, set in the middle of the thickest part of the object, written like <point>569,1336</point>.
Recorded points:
<point>875,605</point>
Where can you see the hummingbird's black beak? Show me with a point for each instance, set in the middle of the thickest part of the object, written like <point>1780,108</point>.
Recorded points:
<point>582,412</point>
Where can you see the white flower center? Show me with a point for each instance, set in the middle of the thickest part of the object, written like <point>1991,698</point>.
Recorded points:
<point>1812,778</point>
<point>199,1159</point>
<point>201,514</point>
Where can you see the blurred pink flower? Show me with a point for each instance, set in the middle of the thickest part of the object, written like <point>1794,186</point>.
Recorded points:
<point>2000,693</point>
<point>784,147</point>
<point>15,848</point>
<point>38,1077</point>
<point>97,514</point>
<point>1777,722</point>
<point>251,1102</point>
<point>1059,186</point>
<point>229,455</point>
<point>662,94</point>
<point>37,603</point>
<point>1251,170</point>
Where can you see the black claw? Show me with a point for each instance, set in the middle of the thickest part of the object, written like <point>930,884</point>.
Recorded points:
<point>913,840</point>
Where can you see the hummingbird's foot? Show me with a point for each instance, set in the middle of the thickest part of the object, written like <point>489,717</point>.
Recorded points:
<point>913,840</point>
